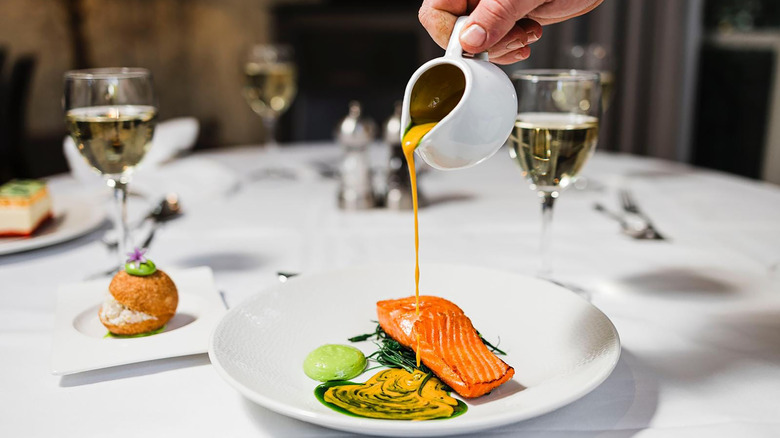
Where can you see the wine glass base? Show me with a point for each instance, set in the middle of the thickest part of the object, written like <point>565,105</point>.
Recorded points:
<point>579,291</point>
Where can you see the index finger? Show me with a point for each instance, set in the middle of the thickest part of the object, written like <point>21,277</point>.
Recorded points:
<point>491,20</point>
<point>438,18</point>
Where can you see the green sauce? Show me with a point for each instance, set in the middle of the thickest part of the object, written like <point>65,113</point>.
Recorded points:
<point>392,394</point>
<point>334,362</point>
<point>319,392</point>
<point>140,270</point>
<point>139,335</point>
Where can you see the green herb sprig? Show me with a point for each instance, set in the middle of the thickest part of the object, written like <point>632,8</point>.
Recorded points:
<point>491,347</point>
<point>389,352</point>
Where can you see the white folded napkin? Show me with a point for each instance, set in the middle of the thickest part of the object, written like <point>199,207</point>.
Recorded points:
<point>194,179</point>
<point>171,138</point>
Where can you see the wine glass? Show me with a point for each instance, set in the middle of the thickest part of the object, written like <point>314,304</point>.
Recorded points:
<point>270,84</point>
<point>111,114</point>
<point>594,57</point>
<point>555,133</point>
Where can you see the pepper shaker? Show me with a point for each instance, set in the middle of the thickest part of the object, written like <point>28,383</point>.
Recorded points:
<point>354,133</point>
<point>398,195</point>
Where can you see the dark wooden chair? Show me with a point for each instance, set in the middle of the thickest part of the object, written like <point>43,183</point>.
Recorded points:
<point>13,118</point>
<point>3,56</point>
<point>5,167</point>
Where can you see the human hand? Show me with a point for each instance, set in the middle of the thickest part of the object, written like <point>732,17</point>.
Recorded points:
<point>503,28</point>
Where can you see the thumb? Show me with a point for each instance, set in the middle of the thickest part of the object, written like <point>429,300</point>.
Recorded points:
<point>491,20</point>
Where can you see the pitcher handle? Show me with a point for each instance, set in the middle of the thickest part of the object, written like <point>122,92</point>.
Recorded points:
<point>454,49</point>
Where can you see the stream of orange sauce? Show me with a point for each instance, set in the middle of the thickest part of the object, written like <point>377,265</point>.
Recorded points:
<point>410,141</point>
<point>435,94</point>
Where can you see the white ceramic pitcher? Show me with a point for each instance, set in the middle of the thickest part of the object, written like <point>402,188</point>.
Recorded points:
<point>480,123</point>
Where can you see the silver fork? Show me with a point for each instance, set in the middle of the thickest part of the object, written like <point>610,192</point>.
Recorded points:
<point>631,208</point>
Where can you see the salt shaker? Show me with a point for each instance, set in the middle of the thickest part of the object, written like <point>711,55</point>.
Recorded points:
<point>398,195</point>
<point>354,133</point>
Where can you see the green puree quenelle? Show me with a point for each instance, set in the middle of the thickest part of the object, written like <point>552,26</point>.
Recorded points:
<point>334,362</point>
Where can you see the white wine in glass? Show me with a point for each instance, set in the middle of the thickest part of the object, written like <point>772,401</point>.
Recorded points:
<point>270,84</point>
<point>111,114</point>
<point>113,139</point>
<point>552,148</point>
<point>607,88</point>
<point>555,133</point>
<point>269,89</point>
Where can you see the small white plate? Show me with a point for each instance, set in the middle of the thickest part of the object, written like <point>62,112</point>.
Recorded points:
<point>80,342</point>
<point>73,217</point>
<point>559,344</point>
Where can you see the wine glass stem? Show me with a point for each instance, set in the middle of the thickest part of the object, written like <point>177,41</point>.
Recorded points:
<point>269,122</point>
<point>124,242</point>
<point>545,269</point>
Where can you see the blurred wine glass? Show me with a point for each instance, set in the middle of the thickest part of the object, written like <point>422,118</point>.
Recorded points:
<point>270,84</point>
<point>111,114</point>
<point>593,57</point>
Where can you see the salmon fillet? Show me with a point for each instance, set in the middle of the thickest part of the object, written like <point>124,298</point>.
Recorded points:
<point>449,344</point>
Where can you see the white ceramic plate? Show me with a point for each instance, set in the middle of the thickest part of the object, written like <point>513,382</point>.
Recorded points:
<point>560,345</point>
<point>79,337</point>
<point>73,217</point>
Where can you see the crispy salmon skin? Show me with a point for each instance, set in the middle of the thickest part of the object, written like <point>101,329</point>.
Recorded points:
<point>449,344</point>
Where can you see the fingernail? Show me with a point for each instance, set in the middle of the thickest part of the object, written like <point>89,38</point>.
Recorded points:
<point>475,35</point>
<point>532,37</point>
<point>519,55</point>
<point>514,45</point>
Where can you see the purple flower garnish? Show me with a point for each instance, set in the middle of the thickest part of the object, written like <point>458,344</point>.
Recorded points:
<point>137,256</point>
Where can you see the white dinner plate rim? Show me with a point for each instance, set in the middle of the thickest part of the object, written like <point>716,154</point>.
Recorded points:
<point>391,427</point>
<point>62,205</point>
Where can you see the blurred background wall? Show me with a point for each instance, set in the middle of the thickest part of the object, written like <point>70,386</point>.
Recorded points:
<point>695,80</point>
<point>193,48</point>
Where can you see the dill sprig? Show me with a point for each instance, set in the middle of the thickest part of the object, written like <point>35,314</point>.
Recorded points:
<point>389,352</point>
<point>378,332</point>
<point>491,347</point>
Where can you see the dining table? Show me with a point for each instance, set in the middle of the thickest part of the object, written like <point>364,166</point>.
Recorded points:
<point>698,312</point>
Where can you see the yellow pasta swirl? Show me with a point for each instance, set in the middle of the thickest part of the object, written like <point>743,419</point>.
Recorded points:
<point>395,394</point>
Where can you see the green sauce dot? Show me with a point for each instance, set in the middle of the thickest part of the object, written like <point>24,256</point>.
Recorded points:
<point>141,270</point>
<point>334,362</point>
<point>139,335</point>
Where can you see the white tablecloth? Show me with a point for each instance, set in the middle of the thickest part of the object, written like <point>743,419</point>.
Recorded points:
<point>698,315</point>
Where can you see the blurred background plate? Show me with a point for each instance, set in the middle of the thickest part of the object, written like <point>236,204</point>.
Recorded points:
<point>73,217</point>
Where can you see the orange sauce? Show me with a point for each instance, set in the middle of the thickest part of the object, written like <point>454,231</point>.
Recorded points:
<point>410,141</point>
<point>435,94</point>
